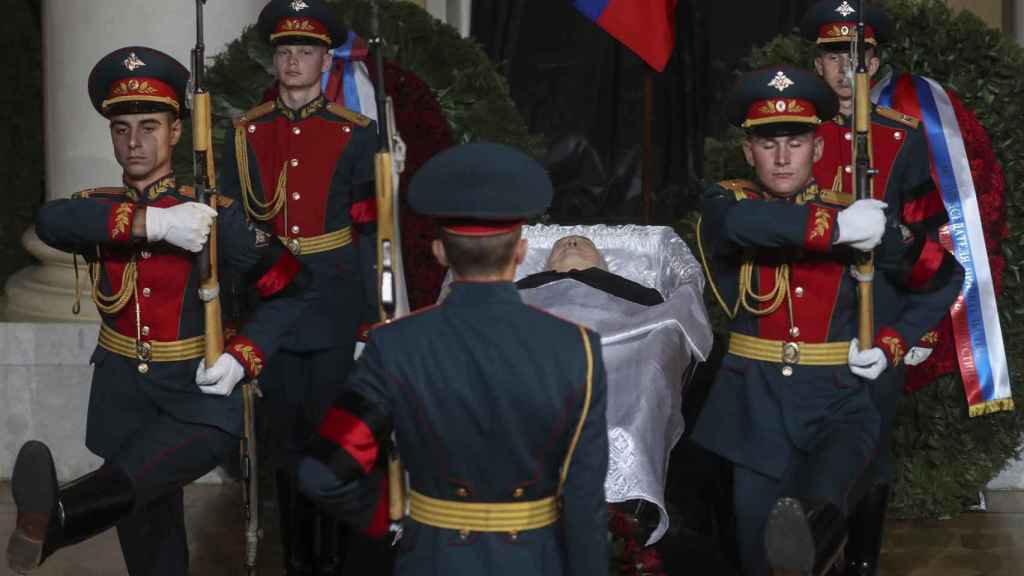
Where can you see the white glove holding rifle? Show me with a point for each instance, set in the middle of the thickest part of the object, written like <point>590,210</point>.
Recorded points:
<point>185,225</point>
<point>862,224</point>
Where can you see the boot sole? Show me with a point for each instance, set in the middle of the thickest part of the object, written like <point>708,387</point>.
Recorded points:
<point>34,487</point>
<point>788,541</point>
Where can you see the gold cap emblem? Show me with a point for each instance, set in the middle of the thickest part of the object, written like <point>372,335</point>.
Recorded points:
<point>845,9</point>
<point>132,62</point>
<point>299,5</point>
<point>781,81</point>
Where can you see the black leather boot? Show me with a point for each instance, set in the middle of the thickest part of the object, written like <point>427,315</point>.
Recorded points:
<point>50,518</point>
<point>866,525</point>
<point>803,538</point>
<point>331,541</point>
<point>296,523</point>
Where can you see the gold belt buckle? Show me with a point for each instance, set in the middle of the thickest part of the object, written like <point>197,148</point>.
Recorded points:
<point>295,246</point>
<point>790,353</point>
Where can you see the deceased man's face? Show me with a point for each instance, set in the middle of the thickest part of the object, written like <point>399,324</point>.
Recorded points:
<point>575,253</point>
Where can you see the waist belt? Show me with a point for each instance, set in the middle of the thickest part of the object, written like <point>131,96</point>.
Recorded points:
<point>802,353</point>
<point>321,243</point>
<point>151,350</point>
<point>483,516</point>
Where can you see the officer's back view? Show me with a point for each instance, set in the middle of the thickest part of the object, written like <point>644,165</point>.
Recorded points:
<point>498,408</point>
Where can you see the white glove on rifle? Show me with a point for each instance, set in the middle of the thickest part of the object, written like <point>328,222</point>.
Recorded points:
<point>222,377</point>
<point>868,364</point>
<point>917,355</point>
<point>185,225</point>
<point>862,224</point>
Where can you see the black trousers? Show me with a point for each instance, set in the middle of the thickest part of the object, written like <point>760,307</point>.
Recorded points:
<point>161,458</point>
<point>831,471</point>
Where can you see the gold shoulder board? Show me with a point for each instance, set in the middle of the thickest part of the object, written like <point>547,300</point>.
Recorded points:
<point>353,117</point>
<point>743,189</point>
<point>254,113</point>
<point>107,190</point>
<point>897,116</point>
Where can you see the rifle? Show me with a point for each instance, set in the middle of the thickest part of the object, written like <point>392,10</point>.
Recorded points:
<point>390,274</point>
<point>862,185</point>
<point>209,285</point>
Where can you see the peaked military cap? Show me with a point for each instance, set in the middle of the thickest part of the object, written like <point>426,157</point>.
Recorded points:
<point>138,80</point>
<point>832,24</point>
<point>301,22</point>
<point>780,101</point>
<point>480,189</point>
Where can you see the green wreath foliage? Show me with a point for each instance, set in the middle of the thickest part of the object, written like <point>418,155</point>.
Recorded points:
<point>470,89</point>
<point>944,457</point>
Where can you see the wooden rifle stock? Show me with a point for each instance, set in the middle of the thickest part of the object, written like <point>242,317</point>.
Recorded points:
<point>862,180</point>
<point>209,287</point>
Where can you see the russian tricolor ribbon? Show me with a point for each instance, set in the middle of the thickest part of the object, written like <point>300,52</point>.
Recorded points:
<point>347,81</point>
<point>976,326</point>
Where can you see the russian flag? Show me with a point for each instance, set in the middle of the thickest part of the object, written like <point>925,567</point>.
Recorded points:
<point>647,27</point>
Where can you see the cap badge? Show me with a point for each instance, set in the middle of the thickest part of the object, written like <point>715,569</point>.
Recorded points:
<point>845,9</point>
<point>132,62</point>
<point>299,5</point>
<point>781,82</point>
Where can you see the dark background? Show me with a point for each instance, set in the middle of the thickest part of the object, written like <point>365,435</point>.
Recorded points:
<point>575,85</point>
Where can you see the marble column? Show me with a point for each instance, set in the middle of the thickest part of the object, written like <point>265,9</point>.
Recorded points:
<point>76,34</point>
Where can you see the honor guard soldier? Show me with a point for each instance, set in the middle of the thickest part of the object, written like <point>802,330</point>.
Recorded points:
<point>157,416</point>
<point>899,153</point>
<point>789,406</point>
<point>304,166</point>
<point>498,408</point>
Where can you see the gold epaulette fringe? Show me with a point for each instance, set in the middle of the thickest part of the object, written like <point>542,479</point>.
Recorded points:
<point>897,116</point>
<point>353,117</point>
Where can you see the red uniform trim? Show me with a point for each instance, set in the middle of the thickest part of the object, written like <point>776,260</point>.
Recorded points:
<point>364,212</point>
<point>471,227</point>
<point>352,435</point>
<point>927,265</point>
<point>821,222</point>
<point>119,222</point>
<point>380,522</point>
<point>279,276</point>
<point>248,355</point>
<point>923,208</point>
<point>892,344</point>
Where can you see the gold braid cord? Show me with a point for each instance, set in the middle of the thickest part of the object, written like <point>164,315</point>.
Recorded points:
<point>777,295</point>
<point>255,207</point>
<point>116,302</point>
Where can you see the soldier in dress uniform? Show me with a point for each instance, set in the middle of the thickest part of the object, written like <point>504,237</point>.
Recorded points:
<point>498,408</point>
<point>789,406</point>
<point>304,166</point>
<point>899,153</point>
<point>157,415</point>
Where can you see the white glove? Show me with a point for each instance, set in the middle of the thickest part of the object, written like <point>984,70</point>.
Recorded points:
<point>862,224</point>
<point>222,377</point>
<point>917,355</point>
<point>868,364</point>
<point>185,225</point>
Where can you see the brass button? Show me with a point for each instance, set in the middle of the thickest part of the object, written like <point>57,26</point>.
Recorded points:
<point>145,330</point>
<point>848,169</point>
<point>146,254</point>
<point>146,292</point>
<point>296,195</point>
<point>794,332</point>
<point>463,534</point>
<point>518,493</point>
<point>787,370</point>
<point>295,229</point>
<point>848,136</point>
<point>799,291</point>
<point>296,130</point>
<point>294,162</point>
<point>143,368</point>
<point>252,128</point>
<point>898,135</point>
<point>462,492</point>
<point>346,128</point>
<point>514,535</point>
